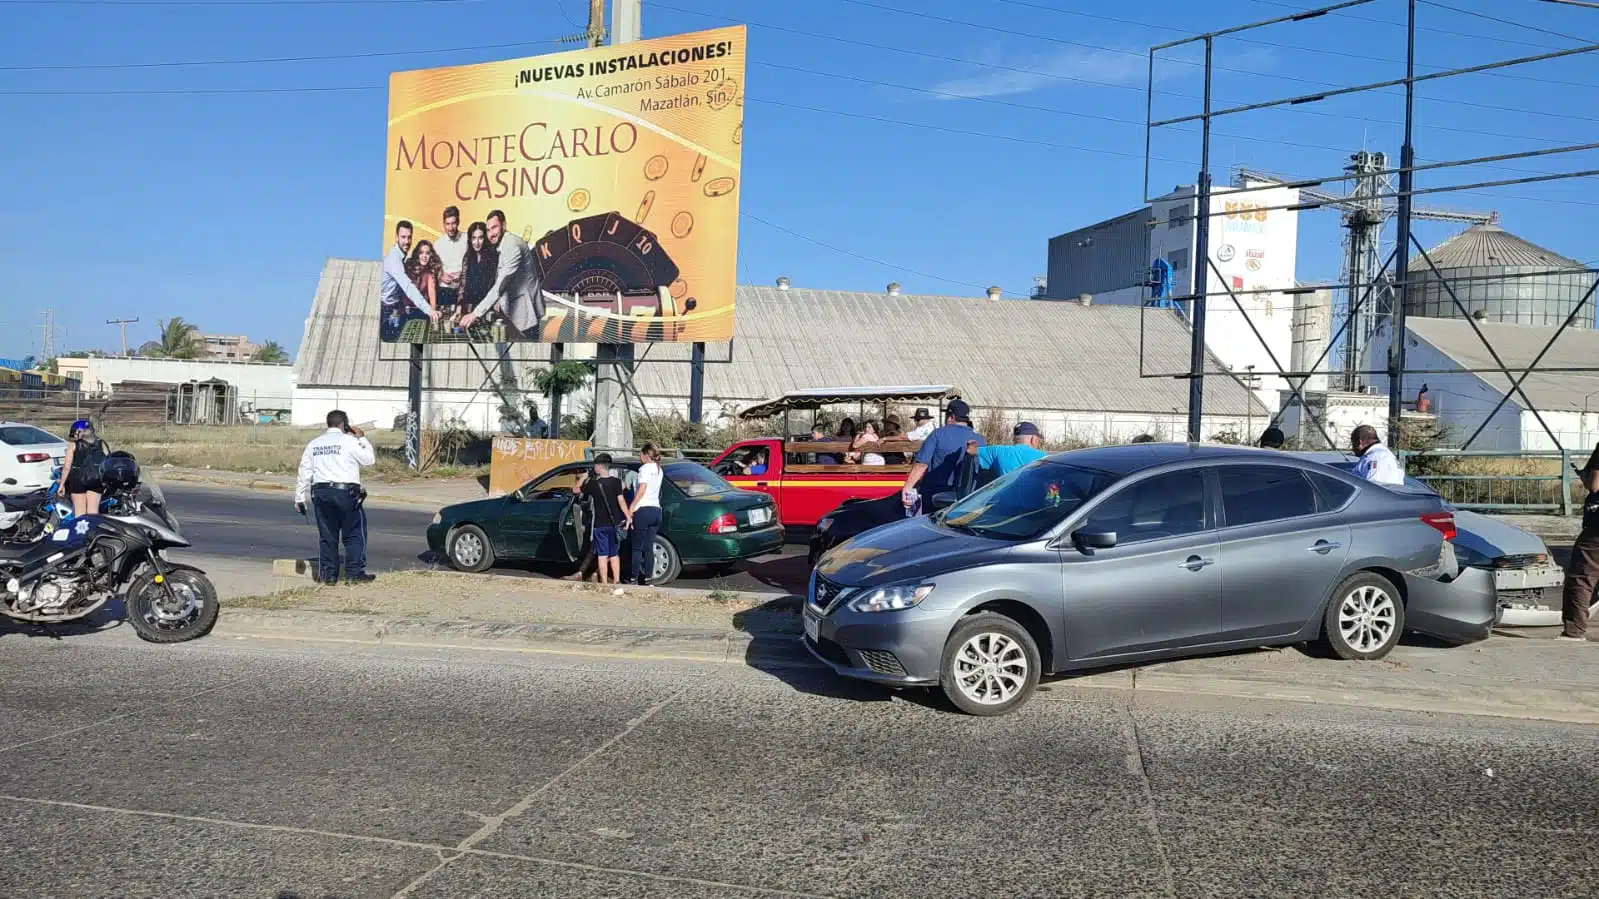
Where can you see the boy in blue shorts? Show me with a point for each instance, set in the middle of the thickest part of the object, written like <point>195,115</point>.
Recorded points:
<point>604,490</point>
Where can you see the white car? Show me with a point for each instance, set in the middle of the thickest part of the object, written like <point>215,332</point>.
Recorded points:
<point>28,456</point>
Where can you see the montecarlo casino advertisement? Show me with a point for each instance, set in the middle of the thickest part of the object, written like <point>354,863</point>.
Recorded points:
<point>581,197</point>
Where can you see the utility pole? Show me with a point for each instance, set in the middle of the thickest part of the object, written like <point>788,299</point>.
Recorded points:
<point>123,323</point>
<point>613,426</point>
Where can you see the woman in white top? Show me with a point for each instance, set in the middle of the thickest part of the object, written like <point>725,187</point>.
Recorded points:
<point>863,441</point>
<point>644,516</point>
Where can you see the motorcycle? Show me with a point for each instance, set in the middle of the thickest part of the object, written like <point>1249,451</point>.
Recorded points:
<point>120,554</point>
<point>27,517</point>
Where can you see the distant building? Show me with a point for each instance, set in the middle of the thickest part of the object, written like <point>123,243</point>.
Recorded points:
<point>1070,368</point>
<point>1252,243</point>
<point>225,347</point>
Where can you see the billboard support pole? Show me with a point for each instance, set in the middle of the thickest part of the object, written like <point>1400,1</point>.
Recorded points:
<point>696,383</point>
<point>1396,325</point>
<point>1196,350</point>
<point>557,353</point>
<point>413,410</point>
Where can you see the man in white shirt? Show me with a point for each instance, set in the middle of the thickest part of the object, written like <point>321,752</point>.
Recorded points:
<point>396,287</point>
<point>451,247</point>
<point>330,481</point>
<point>1377,463</point>
<point>924,425</point>
<point>516,291</point>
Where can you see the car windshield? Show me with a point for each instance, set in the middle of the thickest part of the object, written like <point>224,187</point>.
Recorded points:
<point>1027,502</point>
<point>25,435</point>
<point>696,480</point>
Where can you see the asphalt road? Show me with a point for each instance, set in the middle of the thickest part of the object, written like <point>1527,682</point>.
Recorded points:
<point>262,525</point>
<point>256,769</point>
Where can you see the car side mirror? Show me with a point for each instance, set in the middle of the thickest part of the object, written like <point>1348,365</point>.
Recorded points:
<point>941,501</point>
<point>1094,539</point>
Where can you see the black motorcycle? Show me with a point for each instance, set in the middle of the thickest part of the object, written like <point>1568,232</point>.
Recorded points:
<point>88,561</point>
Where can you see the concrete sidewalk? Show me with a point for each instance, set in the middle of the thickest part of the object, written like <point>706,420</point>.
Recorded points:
<point>1504,676</point>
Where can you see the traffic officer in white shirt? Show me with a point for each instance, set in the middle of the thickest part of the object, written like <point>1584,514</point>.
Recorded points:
<point>1377,464</point>
<point>330,481</point>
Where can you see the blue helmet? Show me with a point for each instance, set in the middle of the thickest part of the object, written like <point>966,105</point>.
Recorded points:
<point>79,426</point>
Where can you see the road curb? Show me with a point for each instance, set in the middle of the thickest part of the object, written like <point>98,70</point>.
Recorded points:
<point>758,649</point>
<point>306,570</point>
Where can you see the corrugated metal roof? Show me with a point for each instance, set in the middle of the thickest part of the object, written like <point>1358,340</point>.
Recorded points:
<point>1518,345</point>
<point>1491,245</point>
<point>1008,354</point>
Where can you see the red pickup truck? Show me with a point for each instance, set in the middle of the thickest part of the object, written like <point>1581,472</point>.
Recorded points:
<point>808,479</point>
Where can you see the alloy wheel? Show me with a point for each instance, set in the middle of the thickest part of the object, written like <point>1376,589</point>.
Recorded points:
<point>990,668</point>
<point>1366,618</point>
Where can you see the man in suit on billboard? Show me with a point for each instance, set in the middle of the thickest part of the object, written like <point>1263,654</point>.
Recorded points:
<point>516,290</point>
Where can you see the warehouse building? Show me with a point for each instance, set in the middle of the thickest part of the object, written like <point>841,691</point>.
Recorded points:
<point>1567,401</point>
<point>1072,368</point>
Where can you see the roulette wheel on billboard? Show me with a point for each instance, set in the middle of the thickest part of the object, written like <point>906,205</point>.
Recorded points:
<point>614,280</point>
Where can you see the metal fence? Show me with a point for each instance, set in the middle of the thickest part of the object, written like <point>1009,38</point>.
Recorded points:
<point>1501,481</point>
<point>144,404</point>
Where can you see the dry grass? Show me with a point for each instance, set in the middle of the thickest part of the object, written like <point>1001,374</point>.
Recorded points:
<point>258,449</point>
<point>1500,480</point>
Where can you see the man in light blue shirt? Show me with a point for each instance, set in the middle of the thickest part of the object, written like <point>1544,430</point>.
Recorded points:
<point>937,466</point>
<point>397,288</point>
<point>1003,460</point>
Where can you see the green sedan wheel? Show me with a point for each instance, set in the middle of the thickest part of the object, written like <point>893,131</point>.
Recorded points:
<point>468,549</point>
<point>668,564</point>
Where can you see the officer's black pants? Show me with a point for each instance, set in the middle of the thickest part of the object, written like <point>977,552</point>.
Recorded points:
<point>339,518</point>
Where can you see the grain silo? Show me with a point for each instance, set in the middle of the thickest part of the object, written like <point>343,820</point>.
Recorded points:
<point>1312,328</point>
<point>1499,277</point>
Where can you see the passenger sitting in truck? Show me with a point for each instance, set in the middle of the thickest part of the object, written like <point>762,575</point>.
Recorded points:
<point>754,463</point>
<point>893,431</point>
<point>860,449</point>
<point>819,435</point>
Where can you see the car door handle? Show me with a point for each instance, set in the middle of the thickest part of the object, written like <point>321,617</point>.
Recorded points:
<point>763,484</point>
<point>1324,547</point>
<point>1194,563</point>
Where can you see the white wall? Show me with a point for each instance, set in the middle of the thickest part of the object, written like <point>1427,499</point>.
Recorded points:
<point>257,380</point>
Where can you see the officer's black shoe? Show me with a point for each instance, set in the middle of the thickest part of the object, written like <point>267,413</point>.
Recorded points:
<point>360,579</point>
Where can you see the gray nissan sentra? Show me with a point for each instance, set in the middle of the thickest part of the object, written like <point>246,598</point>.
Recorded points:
<point>1137,553</point>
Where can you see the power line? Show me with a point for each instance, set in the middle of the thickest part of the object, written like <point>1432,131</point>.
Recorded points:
<point>861,256</point>
<point>181,63</point>
<point>1483,15</point>
<point>224,3</point>
<point>1433,30</point>
<point>1316,50</point>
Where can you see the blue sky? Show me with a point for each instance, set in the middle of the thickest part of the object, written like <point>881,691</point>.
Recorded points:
<point>943,140</point>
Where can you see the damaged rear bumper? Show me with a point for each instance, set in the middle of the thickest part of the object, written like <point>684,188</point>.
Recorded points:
<point>1461,609</point>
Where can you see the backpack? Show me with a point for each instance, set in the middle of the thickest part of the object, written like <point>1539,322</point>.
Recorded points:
<point>90,458</point>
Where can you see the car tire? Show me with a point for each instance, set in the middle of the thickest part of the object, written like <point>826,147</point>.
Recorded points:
<point>469,549</point>
<point>978,642</point>
<point>1365,618</point>
<point>669,572</point>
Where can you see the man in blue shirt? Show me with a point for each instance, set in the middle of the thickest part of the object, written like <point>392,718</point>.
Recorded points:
<point>937,466</point>
<point>1005,459</point>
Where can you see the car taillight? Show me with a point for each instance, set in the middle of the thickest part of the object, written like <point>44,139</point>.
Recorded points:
<point>724,523</point>
<point>33,457</point>
<point>1442,522</point>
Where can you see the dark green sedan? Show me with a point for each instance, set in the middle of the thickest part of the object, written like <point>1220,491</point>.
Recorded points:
<point>704,521</point>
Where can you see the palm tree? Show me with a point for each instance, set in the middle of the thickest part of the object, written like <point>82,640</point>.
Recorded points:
<point>271,351</point>
<point>178,339</point>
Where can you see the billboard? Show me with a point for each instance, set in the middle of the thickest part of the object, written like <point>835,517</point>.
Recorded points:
<point>581,197</point>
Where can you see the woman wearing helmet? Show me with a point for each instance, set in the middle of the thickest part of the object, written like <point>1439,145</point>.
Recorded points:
<point>80,471</point>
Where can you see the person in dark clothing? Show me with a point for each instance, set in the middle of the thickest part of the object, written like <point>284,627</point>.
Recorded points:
<point>1272,438</point>
<point>1582,572</point>
<point>479,269</point>
<point>80,471</point>
<point>609,511</point>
